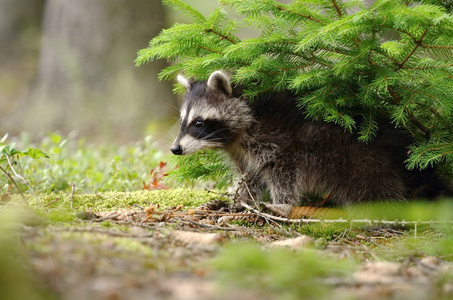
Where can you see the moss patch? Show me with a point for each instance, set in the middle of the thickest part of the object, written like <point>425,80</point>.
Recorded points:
<point>189,198</point>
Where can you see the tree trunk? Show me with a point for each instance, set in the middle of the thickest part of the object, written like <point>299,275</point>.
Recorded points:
<point>87,80</point>
<point>16,17</point>
<point>20,22</point>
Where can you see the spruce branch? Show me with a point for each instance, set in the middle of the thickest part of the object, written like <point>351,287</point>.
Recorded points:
<point>448,74</point>
<point>186,10</point>
<point>396,98</point>
<point>412,118</point>
<point>392,28</point>
<point>436,47</point>
<point>223,36</point>
<point>426,155</point>
<point>418,43</point>
<point>380,52</point>
<point>337,8</point>
<point>393,58</point>
<point>428,67</point>
<point>209,49</point>
<point>317,60</point>
<point>418,124</point>
<point>420,92</point>
<point>285,9</point>
<point>431,109</point>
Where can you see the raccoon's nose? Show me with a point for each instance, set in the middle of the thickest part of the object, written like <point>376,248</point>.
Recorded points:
<point>177,150</point>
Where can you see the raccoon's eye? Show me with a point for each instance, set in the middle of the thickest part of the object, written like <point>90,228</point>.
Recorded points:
<point>198,123</point>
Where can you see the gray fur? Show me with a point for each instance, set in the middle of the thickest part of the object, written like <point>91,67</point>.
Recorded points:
<point>290,157</point>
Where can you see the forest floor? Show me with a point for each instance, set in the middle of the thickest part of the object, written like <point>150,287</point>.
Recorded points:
<point>205,252</point>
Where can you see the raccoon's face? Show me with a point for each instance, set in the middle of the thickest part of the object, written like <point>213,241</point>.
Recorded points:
<point>204,121</point>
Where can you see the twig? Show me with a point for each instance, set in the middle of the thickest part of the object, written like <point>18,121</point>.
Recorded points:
<point>224,37</point>
<point>250,194</point>
<point>51,202</point>
<point>373,255</point>
<point>275,218</point>
<point>418,124</point>
<point>140,207</point>
<point>268,220</point>
<point>344,240</point>
<point>212,227</point>
<point>14,182</point>
<point>72,194</point>
<point>412,118</point>
<point>22,178</point>
<point>418,43</point>
<point>337,8</point>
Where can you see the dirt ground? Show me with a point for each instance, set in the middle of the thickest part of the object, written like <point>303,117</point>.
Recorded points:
<point>137,254</point>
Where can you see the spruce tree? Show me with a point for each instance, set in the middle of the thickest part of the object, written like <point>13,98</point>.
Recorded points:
<point>342,58</point>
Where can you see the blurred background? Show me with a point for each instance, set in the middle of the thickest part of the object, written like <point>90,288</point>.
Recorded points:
<point>68,67</point>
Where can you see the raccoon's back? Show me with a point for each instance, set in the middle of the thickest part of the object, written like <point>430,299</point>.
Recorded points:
<point>323,157</point>
<point>277,112</point>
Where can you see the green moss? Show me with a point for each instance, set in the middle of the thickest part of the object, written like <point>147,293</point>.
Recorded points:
<point>61,214</point>
<point>321,230</point>
<point>60,203</point>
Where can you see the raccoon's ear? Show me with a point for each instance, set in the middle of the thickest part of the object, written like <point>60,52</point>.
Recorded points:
<point>186,83</point>
<point>221,82</point>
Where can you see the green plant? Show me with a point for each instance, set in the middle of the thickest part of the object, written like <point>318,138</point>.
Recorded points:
<point>88,167</point>
<point>9,156</point>
<point>206,165</point>
<point>345,61</point>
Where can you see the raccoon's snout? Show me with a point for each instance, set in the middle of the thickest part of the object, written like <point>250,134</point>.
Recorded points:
<point>176,149</point>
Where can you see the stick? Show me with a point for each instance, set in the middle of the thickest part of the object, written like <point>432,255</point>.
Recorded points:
<point>72,194</point>
<point>22,178</point>
<point>14,182</point>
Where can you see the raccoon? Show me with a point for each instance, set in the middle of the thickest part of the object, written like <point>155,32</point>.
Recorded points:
<point>290,157</point>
